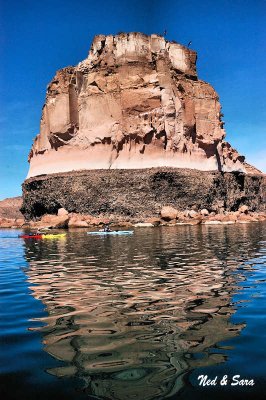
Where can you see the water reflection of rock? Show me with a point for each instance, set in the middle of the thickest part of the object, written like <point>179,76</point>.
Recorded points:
<point>132,315</point>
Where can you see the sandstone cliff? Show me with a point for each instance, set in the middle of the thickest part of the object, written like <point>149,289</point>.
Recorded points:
<point>135,102</point>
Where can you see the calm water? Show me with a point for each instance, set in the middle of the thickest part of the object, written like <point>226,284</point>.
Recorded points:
<point>134,318</point>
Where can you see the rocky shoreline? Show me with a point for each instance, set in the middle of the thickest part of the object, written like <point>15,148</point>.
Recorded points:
<point>169,216</point>
<point>147,197</point>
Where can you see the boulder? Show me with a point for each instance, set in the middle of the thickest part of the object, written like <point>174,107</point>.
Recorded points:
<point>192,214</point>
<point>62,212</point>
<point>243,209</point>
<point>215,217</point>
<point>168,213</point>
<point>229,218</point>
<point>194,221</point>
<point>53,221</point>
<point>261,217</point>
<point>77,223</point>
<point>96,221</point>
<point>189,214</point>
<point>154,221</point>
<point>245,218</point>
<point>20,221</point>
<point>60,223</point>
<point>204,212</point>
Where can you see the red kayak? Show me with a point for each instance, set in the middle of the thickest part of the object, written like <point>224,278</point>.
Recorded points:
<point>39,236</point>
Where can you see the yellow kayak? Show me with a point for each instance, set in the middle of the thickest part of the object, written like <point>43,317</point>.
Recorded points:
<point>53,235</point>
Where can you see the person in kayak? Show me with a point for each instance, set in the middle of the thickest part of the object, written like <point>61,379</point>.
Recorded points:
<point>42,231</point>
<point>106,228</point>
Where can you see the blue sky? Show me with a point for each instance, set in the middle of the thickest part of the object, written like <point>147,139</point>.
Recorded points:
<point>37,38</point>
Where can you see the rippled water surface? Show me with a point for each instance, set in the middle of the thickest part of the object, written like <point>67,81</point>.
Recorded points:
<point>134,317</point>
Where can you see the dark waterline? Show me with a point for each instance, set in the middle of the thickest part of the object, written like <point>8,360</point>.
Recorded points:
<point>134,317</point>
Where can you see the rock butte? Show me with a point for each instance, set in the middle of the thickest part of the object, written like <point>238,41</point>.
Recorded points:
<point>136,102</point>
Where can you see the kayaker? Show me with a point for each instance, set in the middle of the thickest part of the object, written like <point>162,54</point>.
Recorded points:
<point>106,228</point>
<point>42,231</point>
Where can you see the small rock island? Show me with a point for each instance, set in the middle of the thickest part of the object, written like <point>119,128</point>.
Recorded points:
<point>132,132</point>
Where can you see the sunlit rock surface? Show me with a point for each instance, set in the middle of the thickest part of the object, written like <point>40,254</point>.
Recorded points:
<point>135,102</point>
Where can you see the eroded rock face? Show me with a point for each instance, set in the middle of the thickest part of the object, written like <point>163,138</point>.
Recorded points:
<point>135,102</point>
<point>142,194</point>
